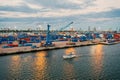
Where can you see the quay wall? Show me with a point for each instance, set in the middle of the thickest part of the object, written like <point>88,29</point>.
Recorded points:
<point>58,45</point>
<point>26,49</point>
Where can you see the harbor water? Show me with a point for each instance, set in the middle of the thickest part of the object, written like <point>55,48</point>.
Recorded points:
<point>92,63</point>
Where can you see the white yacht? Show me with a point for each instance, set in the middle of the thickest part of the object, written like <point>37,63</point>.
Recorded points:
<point>71,55</point>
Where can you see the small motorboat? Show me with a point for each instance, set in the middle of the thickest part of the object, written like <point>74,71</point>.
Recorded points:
<point>68,56</point>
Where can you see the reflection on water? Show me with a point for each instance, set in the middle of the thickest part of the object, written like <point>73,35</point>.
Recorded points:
<point>69,70</point>
<point>68,67</point>
<point>97,59</point>
<point>39,65</point>
<point>15,67</point>
<point>27,59</point>
<point>69,50</point>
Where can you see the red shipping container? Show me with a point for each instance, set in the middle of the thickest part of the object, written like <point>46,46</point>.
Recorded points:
<point>13,45</point>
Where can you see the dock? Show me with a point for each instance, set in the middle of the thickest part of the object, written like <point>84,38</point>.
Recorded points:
<point>27,49</point>
<point>107,43</point>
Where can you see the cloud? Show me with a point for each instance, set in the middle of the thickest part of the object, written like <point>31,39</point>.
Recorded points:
<point>11,2</point>
<point>82,12</point>
<point>55,8</point>
<point>12,9</point>
<point>34,6</point>
<point>106,14</point>
<point>54,4</point>
<point>98,19</point>
<point>106,4</point>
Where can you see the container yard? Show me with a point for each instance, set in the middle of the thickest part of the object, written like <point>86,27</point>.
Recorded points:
<point>22,42</point>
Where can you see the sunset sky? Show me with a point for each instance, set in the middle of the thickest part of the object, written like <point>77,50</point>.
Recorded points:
<point>102,14</point>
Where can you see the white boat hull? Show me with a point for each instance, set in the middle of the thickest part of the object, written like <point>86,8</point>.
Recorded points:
<point>69,56</point>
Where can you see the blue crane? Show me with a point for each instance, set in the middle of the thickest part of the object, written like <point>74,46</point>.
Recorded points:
<point>48,41</point>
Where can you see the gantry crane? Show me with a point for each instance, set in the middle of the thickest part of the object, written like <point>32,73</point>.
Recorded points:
<point>48,40</point>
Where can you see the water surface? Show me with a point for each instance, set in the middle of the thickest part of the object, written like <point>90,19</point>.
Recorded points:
<point>93,62</point>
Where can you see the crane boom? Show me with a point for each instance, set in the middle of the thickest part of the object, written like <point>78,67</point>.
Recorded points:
<point>63,27</point>
<point>66,26</point>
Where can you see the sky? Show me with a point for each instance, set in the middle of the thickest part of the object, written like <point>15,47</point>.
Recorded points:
<point>101,14</point>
